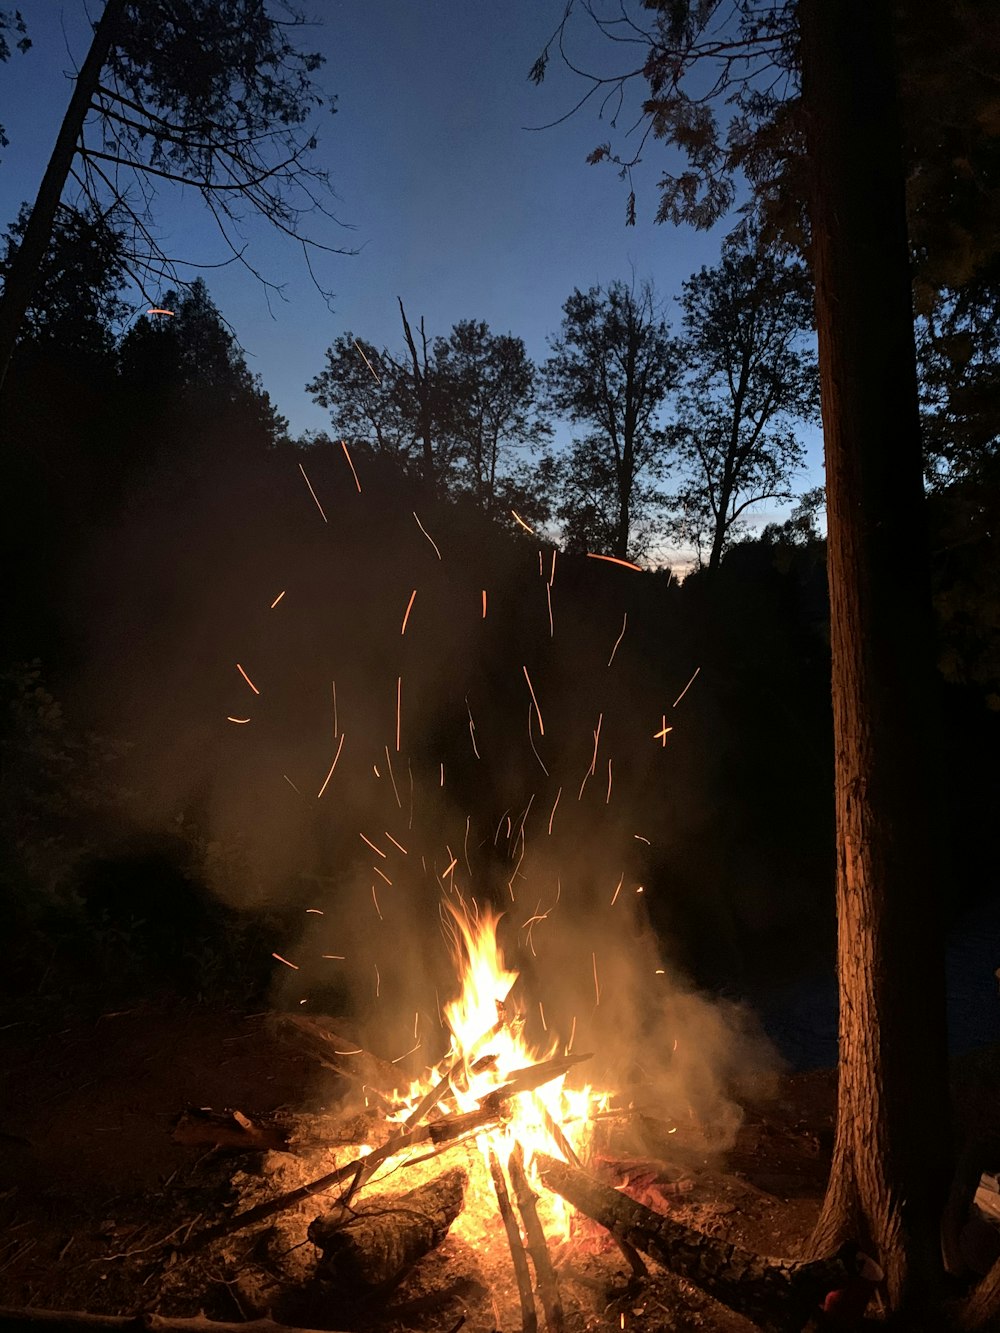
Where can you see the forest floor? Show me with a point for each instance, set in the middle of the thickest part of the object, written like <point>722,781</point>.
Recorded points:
<point>96,1191</point>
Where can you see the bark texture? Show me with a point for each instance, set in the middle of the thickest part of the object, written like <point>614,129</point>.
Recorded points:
<point>776,1294</point>
<point>890,1170</point>
<point>373,1246</point>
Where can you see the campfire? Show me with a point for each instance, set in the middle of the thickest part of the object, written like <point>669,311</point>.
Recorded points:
<point>507,1153</point>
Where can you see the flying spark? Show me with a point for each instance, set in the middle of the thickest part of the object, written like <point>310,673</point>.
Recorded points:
<point>618,889</point>
<point>662,734</point>
<point>237,719</point>
<point>548,594</point>
<point>366,361</point>
<point>553,814</point>
<point>277,599</point>
<point>409,606</point>
<point>159,310</point>
<point>375,901</point>
<point>686,687</point>
<point>614,560</point>
<point>399,708</point>
<point>608,799</point>
<point>383,874</point>
<point>378,850</point>
<point>350,464</point>
<point>484,603</point>
<point>520,520</point>
<point>329,775</point>
<point>293,966</point>
<point>247,679</point>
<point>597,984</point>
<point>291,783</point>
<point>552,576</point>
<point>426,534</point>
<point>396,844</point>
<point>619,639</point>
<point>315,911</point>
<point>538,713</point>
<point>313,494</point>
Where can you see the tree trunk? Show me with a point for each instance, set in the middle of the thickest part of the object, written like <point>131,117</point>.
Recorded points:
<point>890,1171</point>
<point>24,267</point>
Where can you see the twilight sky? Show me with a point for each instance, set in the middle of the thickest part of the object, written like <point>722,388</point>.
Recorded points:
<point>452,202</point>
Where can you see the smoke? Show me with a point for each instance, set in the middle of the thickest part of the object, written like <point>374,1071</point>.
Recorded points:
<point>525,758</point>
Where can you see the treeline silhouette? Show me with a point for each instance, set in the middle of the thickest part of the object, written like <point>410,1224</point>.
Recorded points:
<point>154,509</point>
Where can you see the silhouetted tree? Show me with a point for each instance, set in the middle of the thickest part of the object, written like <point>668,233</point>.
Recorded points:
<point>749,382</point>
<point>612,367</point>
<point>11,21</point>
<point>451,410</point>
<point>890,1171</point>
<point>208,94</point>
<point>488,385</point>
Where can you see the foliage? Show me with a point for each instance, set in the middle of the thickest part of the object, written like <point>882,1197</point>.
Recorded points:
<point>213,95</point>
<point>612,366</point>
<point>76,300</point>
<point>12,21</point>
<point>453,411</point>
<point>748,383</point>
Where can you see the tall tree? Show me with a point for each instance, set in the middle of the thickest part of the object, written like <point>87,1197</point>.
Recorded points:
<point>612,367</point>
<point>750,382</point>
<point>208,94</point>
<point>891,1170</point>
<point>890,1166</point>
<point>450,410</point>
<point>489,388</point>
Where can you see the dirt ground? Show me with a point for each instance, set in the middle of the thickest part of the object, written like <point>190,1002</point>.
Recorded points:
<point>96,1193</point>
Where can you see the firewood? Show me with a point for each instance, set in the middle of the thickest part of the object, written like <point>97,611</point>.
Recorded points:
<point>72,1321</point>
<point>441,1133</point>
<point>777,1294</point>
<point>545,1274</point>
<point>373,1247</point>
<point>529,1318</point>
<point>345,1057</point>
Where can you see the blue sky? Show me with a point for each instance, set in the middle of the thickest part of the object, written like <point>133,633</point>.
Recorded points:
<point>453,203</point>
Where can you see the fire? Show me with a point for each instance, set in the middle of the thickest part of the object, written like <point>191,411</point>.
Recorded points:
<point>487,1053</point>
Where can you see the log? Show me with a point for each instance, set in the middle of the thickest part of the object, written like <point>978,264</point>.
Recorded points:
<point>777,1294</point>
<point>529,1317</point>
<point>371,1248</point>
<point>545,1274</point>
<point>339,1053</point>
<point>75,1321</point>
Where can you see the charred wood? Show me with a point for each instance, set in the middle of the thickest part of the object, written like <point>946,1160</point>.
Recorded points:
<point>372,1247</point>
<point>545,1274</point>
<point>529,1317</point>
<point>777,1294</point>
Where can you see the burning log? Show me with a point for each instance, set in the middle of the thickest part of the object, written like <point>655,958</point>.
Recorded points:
<point>545,1274</point>
<point>529,1319</point>
<point>72,1321</point>
<point>777,1294</point>
<point>371,1248</point>
<point>441,1133</point>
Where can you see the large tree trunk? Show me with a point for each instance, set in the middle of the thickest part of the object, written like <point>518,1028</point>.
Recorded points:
<point>24,267</point>
<point>890,1170</point>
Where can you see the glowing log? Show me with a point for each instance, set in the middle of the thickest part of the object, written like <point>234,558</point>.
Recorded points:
<point>370,1247</point>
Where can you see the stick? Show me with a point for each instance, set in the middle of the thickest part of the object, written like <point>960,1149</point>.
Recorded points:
<point>545,1274</point>
<point>445,1131</point>
<point>431,1098</point>
<point>529,1318</point>
<point>54,1321</point>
